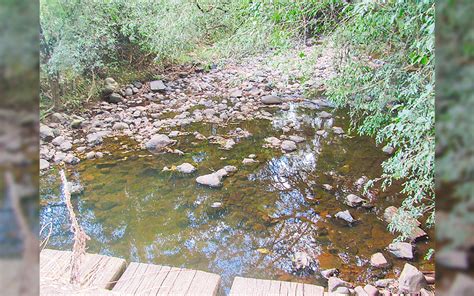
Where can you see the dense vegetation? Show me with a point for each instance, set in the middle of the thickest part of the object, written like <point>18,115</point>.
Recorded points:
<point>386,74</point>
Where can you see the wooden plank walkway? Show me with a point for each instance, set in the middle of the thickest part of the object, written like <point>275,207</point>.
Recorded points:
<point>104,275</point>
<point>150,279</point>
<point>256,287</point>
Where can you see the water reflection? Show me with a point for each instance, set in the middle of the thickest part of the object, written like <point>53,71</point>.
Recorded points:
<point>274,215</point>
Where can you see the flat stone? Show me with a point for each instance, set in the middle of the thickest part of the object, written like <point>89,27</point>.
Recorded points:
<point>157,85</point>
<point>411,280</point>
<point>186,168</point>
<point>378,260</point>
<point>114,98</point>
<point>401,250</point>
<point>66,146</point>
<point>159,142</point>
<point>324,114</point>
<point>296,139</point>
<point>120,126</point>
<point>58,141</point>
<point>371,290</point>
<point>248,161</point>
<point>271,99</point>
<point>384,283</point>
<point>44,164</point>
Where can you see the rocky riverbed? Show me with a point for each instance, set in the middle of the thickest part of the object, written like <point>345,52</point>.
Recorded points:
<point>236,170</point>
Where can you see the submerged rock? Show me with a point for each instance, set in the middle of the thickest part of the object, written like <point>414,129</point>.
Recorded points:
<point>353,200</point>
<point>378,260</point>
<point>345,215</point>
<point>186,168</point>
<point>411,280</point>
<point>158,142</point>
<point>401,250</point>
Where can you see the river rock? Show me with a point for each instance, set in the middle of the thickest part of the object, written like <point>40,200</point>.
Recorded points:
<point>271,99</point>
<point>273,141</point>
<point>46,133</point>
<point>66,146</point>
<point>296,139</point>
<point>118,126</point>
<point>158,142</point>
<point>75,188</point>
<point>114,98</point>
<point>211,180</point>
<point>90,155</point>
<point>378,260</point>
<point>337,130</point>
<point>324,114</point>
<point>235,93</point>
<point>371,290</point>
<point>385,283</point>
<point>411,280</point>
<point>345,215</point>
<point>335,282</point>
<point>110,86</point>
<point>288,146</point>
<point>248,161</point>
<point>58,141</point>
<point>128,92</point>
<point>44,164</point>
<point>216,205</point>
<point>327,273</point>
<point>353,200</point>
<point>401,250</point>
<point>360,291</point>
<point>76,123</point>
<point>95,138</point>
<point>71,159</point>
<point>157,85</point>
<point>388,149</point>
<point>230,169</point>
<point>186,168</point>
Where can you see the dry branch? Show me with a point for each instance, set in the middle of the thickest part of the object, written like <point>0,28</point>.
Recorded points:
<point>80,237</point>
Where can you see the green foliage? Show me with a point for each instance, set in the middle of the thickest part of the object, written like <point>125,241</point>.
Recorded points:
<point>387,80</point>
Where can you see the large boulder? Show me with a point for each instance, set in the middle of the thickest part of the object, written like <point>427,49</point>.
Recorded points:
<point>158,142</point>
<point>271,99</point>
<point>157,85</point>
<point>110,86</point>
<point>411,280</point>
<point>401,250</point>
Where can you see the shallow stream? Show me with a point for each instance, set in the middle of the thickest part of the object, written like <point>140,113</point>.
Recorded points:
<point>263,216</point>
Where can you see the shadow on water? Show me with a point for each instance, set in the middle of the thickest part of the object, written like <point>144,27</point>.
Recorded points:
<point>271,211</point>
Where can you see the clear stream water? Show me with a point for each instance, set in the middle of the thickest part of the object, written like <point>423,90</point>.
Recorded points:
<point>270,210</point>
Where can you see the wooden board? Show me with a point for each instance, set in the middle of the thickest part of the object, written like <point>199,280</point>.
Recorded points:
<point>96,271</point>
<point>150,279</point>
<point>255,287</point>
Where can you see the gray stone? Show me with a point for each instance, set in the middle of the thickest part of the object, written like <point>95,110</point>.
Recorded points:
<point>337,130</point>
<point>186,168</point>
<point>120,126</point>
<point>288,146</point>
<point>360,291</point>
<point>371,290</point>
<point>235,93</point>
<point>230,169</point>
<point>76,123</point>
<point>271,99</point>
<point>157,85</point>
<point>378,260</point>
<point>248,161</point>
<point>353,200</point>
<point>71,159</point>
<point>58,141</point>
<point>216,205</point>
<point>324,114</point>
<point>334,283</point>
<point>59,156</point>
<point>296,139</point>
<point>110,86</point>
<point>90,155</point>
<point>128,92</point>
<point>385,283</point>
<point>44,164</point>
<point>114,98</point>
<point>411,280</point>
<point>46,133</point>
<point>158,142</point>
<point>327,273</point>
<point>388,149</point>
<point>401,250</point>
<point>211,180</point>
<point>94,138</point>
<point>66,146</point>
<point>345,215</point>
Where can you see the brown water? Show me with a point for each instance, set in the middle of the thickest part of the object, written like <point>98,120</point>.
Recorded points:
<point>270,210</point>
